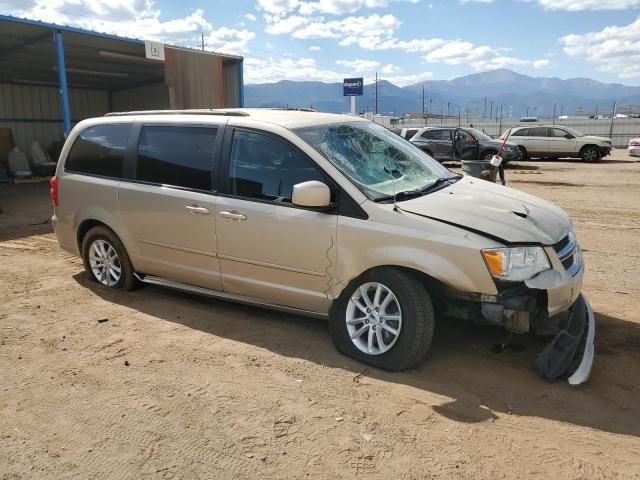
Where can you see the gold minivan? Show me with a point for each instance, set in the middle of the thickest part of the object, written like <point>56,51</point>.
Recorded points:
<point>318,214</point>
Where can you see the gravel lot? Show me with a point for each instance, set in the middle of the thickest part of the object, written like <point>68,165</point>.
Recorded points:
<point>158,384</point>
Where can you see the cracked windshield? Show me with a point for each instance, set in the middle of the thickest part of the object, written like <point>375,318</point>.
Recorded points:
<point>380,162</point>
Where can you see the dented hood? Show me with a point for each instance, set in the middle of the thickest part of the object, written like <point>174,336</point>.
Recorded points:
<point>499,212</point>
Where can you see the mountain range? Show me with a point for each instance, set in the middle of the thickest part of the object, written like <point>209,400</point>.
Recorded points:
<point>516,93</point>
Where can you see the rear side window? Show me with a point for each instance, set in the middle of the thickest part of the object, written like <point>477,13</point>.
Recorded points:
<point>177,156</point>
<point>557,132</point>
<point>99,150</point>
<point>267,168</point>
<point>538,132</point>
<point>436,134</point>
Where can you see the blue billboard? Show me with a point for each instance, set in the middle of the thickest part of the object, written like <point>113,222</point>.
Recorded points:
<point>352,87</point>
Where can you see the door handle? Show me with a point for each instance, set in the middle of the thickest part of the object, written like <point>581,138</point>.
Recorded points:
<point>197,210</point>
<point>233,215</point>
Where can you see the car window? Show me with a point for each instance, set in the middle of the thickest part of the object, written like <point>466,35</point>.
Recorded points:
<point>177,156</point>
<point>99,150</point>
<point>523,132</point>
<point>538,132</point>
<point>267,168</point>
<point>437,134</point>
<point>557,132</point>
<point>410,133</point>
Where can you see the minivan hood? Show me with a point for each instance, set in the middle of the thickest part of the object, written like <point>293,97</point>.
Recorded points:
<point>501,213</point>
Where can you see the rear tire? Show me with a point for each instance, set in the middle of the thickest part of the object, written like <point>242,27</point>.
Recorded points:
<point>106,261</point>
<point>590,154</point>
<point>487,156</point>
<point>396,332</point>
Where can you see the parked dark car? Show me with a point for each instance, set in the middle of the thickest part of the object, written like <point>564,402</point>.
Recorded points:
<point>455,143</point>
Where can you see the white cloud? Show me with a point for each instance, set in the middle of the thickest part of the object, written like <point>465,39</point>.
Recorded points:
<point>404,80</point>
<point>228,40</point>
<point>579,5</point>
<point>137,18</point>
<point>480,57</point>
<point>359,64</point>
<point>278,7</point>
<point>250,16</point>
<point>390,68</point>
<point>315,48</point>
<point>269,70</point>
<point>340,7</point>
<point>614,49</point>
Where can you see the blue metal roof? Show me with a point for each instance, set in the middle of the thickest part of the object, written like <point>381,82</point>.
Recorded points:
<point>64,28</point>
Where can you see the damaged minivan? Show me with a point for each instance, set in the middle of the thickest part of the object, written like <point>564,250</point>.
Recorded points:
<point>322,215</point>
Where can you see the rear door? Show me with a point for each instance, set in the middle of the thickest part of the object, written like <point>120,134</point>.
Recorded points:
<point>439,142</point>
<point>537,141</point>
<point>270,249</point>
<point>168,204</point>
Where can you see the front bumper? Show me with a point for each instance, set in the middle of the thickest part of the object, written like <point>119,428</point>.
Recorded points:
<point>583,371</point>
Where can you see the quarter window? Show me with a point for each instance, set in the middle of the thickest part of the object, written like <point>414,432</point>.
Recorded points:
<point>267,168</point>
<point>99,150</point>
<point>177,156</point>
<point>523,132</point>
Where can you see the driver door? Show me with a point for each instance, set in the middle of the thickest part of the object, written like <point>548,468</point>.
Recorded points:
<point>268,248</point>
<point>466,146</point>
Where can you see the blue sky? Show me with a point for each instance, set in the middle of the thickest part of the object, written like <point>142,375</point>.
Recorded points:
<point>405,41</point>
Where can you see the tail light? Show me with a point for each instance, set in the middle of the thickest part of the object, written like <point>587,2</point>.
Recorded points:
<point>53,191</point>
<point>634,143</point>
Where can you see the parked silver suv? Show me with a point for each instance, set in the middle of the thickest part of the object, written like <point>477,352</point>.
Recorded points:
<point>316,214</point>
<point>554,141</point>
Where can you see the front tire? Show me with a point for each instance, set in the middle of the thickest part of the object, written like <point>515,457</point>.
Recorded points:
<point>106,261</point>
<point>384,318</point>
<point>525,155</point>
<point>590,154</point>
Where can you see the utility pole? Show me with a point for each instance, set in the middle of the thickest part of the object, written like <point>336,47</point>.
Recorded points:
<point>491,114</point>
<point>202,38</point>
<point>484,112</point>
<point>423,115</point>
<point>448,103</point>
<point>554,113</point>
<point>613,115</point>
<point>376,110</point>
<point>500,128</point>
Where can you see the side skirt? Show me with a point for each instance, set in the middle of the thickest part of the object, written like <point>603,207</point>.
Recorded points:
<point>232,297</point>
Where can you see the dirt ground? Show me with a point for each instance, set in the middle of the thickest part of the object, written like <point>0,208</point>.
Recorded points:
<point>158,384</point>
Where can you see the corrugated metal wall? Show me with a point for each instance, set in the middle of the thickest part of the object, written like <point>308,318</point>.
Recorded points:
<point>147,97</point>
<point>34,113</point>
<point>194,80</point>
<point>231,74</point>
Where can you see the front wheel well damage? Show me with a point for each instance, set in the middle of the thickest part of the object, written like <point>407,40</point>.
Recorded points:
<point>434,286</point>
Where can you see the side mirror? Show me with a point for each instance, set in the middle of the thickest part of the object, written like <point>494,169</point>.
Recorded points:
<point>312,194</point>
<point>568,136</point>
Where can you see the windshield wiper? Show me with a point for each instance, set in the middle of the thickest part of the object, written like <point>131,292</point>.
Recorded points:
<point>403,195</point>
<point>440,182</point>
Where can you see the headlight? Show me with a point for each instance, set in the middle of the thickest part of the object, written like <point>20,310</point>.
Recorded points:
<point>516,263</point>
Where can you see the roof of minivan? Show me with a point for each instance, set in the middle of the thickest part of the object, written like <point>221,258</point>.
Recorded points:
<point>282,117</point>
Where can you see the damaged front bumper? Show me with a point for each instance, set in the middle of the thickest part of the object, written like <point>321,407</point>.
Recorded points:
<point>551,303</point>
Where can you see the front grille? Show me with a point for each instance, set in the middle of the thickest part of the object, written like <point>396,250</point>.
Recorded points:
<point>568,254</point>
<point>561,244</point>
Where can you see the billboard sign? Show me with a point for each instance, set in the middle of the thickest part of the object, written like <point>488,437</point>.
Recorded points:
<point>352,87</point>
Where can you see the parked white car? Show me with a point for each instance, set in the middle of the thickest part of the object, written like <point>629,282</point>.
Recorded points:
<point>634,147</point>
<point>554,141</point>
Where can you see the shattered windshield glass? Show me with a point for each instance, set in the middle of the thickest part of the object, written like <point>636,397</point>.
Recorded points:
<point>378,161</point>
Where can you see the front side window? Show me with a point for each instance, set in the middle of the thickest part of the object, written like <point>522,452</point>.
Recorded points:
<point>99,150</point>
<point>557,133</point>
<point>373,158</point>
<point>176,156</point>
<point>523,132</point>
<point>265,167</point>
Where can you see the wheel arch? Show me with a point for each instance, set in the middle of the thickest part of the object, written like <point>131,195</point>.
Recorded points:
<point>588,145</point>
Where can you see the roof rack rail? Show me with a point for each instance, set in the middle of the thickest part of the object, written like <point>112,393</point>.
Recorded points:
<point>197,111</point>
<point>294,109</point>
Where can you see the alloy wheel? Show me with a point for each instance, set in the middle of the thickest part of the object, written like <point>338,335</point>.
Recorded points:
<point>104,262</point>
<point>374,318</point>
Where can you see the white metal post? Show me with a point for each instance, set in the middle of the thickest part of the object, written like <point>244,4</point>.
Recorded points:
<point>353,105</point>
